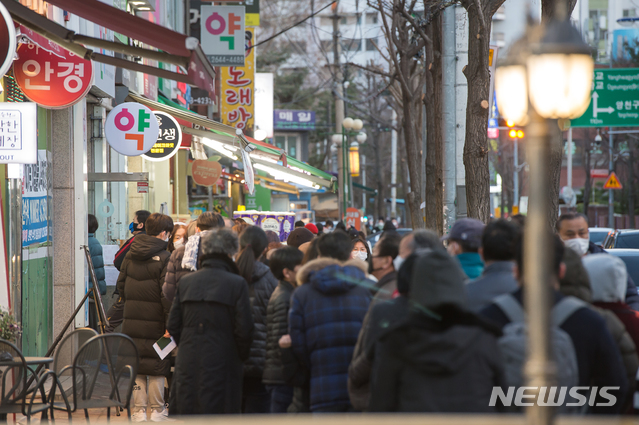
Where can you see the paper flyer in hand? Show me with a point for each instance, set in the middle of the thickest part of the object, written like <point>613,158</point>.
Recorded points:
<point>164,346</point>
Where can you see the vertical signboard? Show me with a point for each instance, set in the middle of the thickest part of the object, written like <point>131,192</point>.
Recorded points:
<point>238,86</point>
<point>264,102</point>
<point>35,211</point>
<point>222,34</point>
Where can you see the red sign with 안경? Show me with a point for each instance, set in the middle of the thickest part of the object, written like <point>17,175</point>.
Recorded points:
<point>49,80</point>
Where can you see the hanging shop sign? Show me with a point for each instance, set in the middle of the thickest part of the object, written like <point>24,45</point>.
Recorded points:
<point>52,81</point>
<point>169,138</point>
<point>18,137</point>
<point>7,40</point>
<point>353,218</point>
<point>238,90</point>
<point>284,119</point>
<point>206,173</point>
<point>222,34</point>
<point>131,129</point>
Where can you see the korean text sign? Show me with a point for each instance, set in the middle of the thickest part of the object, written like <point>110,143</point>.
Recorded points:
<point>50,80</point>
<point>36,186</point>
<point>284,119</point>
<point>169,138</point>
<point>131,129</point>
<point>238,92</point>
<point>222,34</point>
<point>18,137</point>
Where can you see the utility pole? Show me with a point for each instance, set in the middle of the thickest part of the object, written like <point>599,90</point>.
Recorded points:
<point>448,113</point>
<point>363,168</point>
<point>338,96</point>
<point>611,199</point>
<point>394,167</point>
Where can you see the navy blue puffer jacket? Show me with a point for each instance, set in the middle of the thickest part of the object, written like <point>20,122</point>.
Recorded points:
<point>95,249</point>
<point>327,312</point>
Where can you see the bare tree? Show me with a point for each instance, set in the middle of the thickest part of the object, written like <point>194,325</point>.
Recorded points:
<point>407,75</point>
<point>477,74</point>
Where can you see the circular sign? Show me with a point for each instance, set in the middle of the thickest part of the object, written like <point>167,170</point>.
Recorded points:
<point>7,40</point>
<point>169,138</point>
<point>206,173</point>
<point>49,80</point>
<point>131,129</point>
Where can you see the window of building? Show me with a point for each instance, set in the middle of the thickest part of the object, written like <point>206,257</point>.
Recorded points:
<point>629,13</point>
<point>370,44</point>
<point>327,45</point>
<point>325,21</point>
<point>352,45</point>
<point>344,20</point>
<point>289,143</point>
<point>371,18</point>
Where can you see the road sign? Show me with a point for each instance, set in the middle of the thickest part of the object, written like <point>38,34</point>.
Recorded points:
<point>615,99</point>
<point>599,173</point>
<point>613,182</point>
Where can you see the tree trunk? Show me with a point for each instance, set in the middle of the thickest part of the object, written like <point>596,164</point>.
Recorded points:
<point>556,159</point>
<point>476,144</point>
<point>434,191</point>
<point>412,142</point>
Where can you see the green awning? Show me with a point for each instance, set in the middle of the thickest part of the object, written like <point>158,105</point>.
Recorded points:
<point>365,188</point>
<point>227,132</point>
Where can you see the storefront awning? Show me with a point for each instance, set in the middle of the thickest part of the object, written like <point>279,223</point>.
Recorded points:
<point>176,48</point>
<point>364,188</point>
<point>265,156</point>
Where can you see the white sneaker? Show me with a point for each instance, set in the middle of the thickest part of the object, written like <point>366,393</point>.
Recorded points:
<point>161,415</point>
<point>139,416</point>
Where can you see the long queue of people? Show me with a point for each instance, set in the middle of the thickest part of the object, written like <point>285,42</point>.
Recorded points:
<point>325,324</point>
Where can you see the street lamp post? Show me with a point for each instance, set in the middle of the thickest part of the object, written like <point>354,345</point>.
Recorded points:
<point>550,70</point>
<point>346,185</point>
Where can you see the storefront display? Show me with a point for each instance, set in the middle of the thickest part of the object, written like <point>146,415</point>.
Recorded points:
<point>281,223</point>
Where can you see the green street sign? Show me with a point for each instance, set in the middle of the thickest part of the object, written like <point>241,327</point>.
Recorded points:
<point>615,99</point>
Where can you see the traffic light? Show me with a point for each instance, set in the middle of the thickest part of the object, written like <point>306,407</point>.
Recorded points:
<point>514,133</point>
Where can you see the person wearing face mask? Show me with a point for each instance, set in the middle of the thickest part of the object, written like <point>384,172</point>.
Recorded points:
<point>382,267</point>
<point>178,266</point>
<point>136,227</point>
<point>328,226</point>
<point>146,311</point>
<point>464,241</point>
<point>360,250</point>
<point>178,237</point>
<point>572,228</point>
<point>415,241</point>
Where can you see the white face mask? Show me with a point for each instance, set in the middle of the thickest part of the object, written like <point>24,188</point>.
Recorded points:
<point>178,243</point>
<point>362,255</point>
<point>397,262</point>
<point>166,239</point>
<point>579,245</point>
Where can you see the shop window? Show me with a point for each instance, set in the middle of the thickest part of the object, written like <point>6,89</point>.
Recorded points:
<point>280,142</point>
<point>292,146</point>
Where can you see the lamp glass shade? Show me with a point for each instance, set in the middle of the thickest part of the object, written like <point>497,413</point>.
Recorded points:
<point>259,134</point>
<point>560,84</point>
<point>354,160</point>
<point>358,124</point>
<point>512,93</point>
<point>361,137</point>
<point>336,138</point>
<point>347,123</point>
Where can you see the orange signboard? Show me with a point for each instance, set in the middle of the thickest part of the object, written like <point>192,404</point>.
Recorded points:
<point>238,89</point>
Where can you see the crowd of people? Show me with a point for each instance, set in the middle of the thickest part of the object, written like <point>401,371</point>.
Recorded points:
<point>324,323</point>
